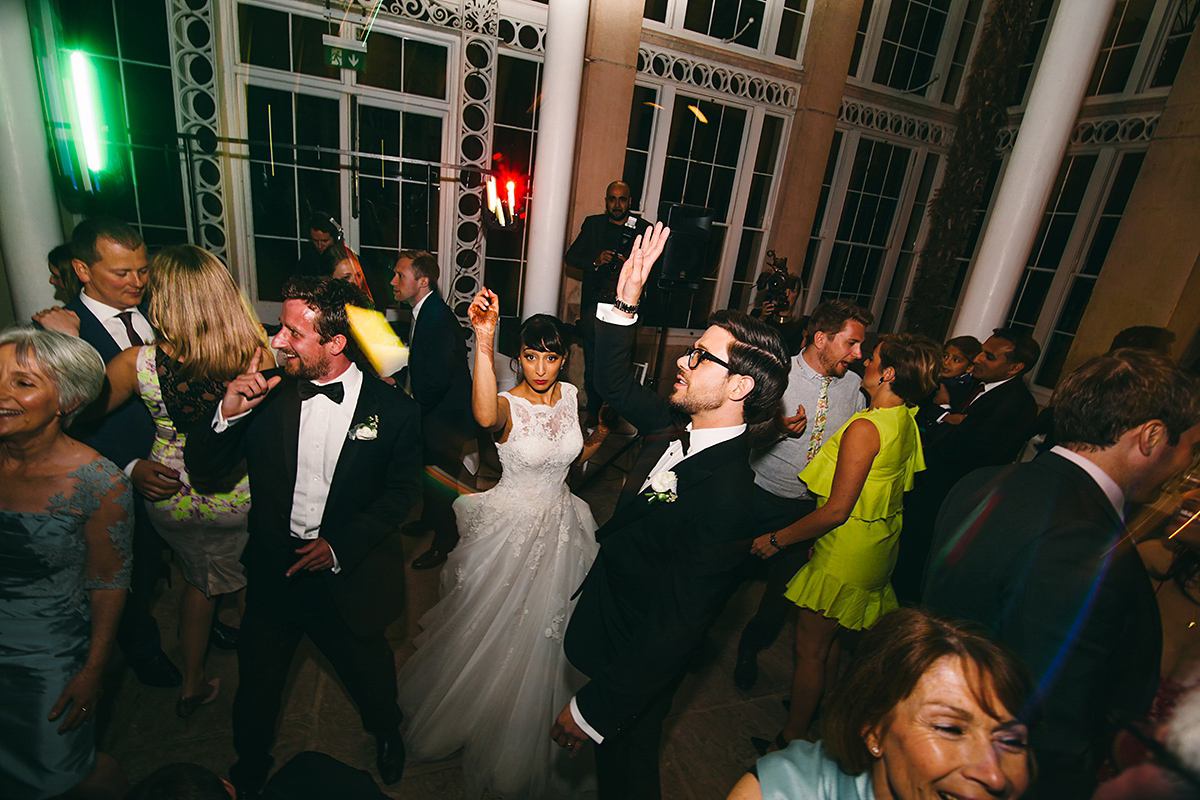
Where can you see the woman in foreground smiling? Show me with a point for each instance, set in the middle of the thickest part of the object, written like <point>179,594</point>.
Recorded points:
<point>65,530</point>
<point>927,710</point>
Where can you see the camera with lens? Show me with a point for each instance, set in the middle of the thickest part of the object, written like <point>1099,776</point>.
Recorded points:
<point>773,284</point>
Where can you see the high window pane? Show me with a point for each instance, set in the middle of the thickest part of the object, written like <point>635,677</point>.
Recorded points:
<point>908,244</point>
<point>1046,255</point>
<point>791,26</point>
<point>865,228</point>
<point>962,52</point>
<point>264,38</point>
<point>1119,48</point>
<point>910,43</point>
<point>749,252</point>
<point>736,20</point>
<point>637,147</point>
<point>291,176</point>
<point>704,146</point>
<point>814,241</point>
<point>1083,282</point>
<point>1183,23</point>
<point>1041,18</point>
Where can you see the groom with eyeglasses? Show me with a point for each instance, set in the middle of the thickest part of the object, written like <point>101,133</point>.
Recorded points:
<point>671,554</point>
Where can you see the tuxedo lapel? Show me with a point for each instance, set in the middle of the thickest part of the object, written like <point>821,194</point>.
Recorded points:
<point>289,433</point>
<point>651,453</point>
<point>368,404</point>
<point>689,474</point>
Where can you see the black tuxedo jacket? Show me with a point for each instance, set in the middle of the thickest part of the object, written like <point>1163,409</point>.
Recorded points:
<point>128,432</point>
<point>996,427</point>
<point>374,485</point>
<point>438,372</point>
<point>664,570</point>
<point>1031,552</point>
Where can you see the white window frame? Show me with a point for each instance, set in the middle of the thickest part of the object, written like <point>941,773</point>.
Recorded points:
<point>768,37</point>
<point>240,76</point>
<point>656,163</point>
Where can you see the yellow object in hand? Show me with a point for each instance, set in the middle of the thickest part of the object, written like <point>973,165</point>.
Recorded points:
<point>378,341</point>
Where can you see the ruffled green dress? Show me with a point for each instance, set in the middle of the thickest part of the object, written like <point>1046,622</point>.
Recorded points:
<point>848,576</point>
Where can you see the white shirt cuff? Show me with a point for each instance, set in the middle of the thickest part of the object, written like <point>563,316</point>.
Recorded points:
<point>581,722</point>
<point>220,424</point>
<point>606,313</point>
<point>336,568</point>
<point>129,467</point>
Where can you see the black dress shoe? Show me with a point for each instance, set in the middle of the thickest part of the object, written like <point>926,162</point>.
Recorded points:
<point>429,559</point>
<point>389,757</point>
<point>222,636</point>
<point>745,671</point>
<point>156,670</point>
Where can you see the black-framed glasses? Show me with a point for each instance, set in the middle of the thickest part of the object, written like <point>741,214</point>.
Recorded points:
<point>695,355</point>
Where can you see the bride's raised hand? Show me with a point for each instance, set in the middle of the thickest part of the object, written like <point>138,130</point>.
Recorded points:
<point>484,312</point>
<point>647,248</point>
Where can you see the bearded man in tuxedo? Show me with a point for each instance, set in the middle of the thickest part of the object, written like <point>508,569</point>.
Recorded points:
<point>334,458</point>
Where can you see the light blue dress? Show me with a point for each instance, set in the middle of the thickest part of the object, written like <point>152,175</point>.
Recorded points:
<point>805,772</point>
<point>46,627</point>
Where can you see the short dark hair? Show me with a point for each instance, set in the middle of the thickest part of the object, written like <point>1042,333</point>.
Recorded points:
<point>180,781</point>
<point>890,660</point>
<point>915,358</point>
<point>90,231</point>
<point>1144,337</point>
<point>424,265</point>
<point>1111,394</point>
<point>968,345</point>
<point>832,315</point>
<point>328,297</point>
<point>1025,349</point>
<point>325,223</point>
<point>758,351</point>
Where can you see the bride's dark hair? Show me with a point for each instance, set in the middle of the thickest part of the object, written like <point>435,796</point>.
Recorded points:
<point>546,334</point>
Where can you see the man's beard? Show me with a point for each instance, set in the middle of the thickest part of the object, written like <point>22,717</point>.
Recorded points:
<point>695,403</point>
<point>832,367</point>
<point>618,216</point>
<point>311,372</point>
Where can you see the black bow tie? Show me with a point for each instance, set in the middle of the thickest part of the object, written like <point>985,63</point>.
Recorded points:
<point>334,391</point>
<point>684,437</point>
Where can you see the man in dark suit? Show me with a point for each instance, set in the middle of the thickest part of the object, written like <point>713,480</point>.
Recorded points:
<point>672,551</point>
<point>333,456</point>
<point>990,429</point>
<point>439,380</point>
<point>1035,553</point>
<point>109,259</point>
<point>598,252</point>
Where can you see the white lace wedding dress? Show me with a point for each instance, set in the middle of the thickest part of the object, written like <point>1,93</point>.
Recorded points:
<point>489,675</point>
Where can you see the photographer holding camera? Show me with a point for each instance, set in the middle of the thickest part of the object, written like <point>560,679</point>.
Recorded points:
<point>779,291</point>
<point>603,244</point>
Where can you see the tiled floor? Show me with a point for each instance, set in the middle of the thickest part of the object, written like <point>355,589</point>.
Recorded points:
<point>705,751</point>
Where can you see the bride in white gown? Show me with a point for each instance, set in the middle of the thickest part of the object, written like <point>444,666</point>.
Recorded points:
<point>489,673</point>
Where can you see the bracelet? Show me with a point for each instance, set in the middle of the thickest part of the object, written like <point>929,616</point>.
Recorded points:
<point>775,543</point>
<point>620,305</point>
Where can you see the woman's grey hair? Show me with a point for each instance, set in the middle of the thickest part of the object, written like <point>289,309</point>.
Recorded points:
<point>71,363</point>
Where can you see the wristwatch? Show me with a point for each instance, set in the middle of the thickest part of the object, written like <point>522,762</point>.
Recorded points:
<point>622,306</point>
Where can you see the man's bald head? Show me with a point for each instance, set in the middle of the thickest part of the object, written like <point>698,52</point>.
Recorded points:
<point>617,202</point>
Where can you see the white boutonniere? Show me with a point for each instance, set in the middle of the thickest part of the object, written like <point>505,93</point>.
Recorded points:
<point>662,487</point>
<point>365,431</point>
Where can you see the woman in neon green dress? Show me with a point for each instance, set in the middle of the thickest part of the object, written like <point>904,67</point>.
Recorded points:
<point>859,477</point>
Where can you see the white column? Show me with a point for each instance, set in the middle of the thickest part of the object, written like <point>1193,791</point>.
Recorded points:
<point>29,220</point>
<point>562,76</point>
<point>1058,89</point>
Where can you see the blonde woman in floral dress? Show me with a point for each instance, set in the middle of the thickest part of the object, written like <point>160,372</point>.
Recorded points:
<point>207,336</point>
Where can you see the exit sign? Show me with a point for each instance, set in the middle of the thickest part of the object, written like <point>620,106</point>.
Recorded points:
<point>345,53</point>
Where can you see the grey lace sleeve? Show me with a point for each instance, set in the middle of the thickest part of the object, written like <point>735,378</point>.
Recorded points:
<point>109,528</point>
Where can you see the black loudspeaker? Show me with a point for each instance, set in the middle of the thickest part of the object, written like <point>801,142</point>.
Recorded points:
<point>684,256</point>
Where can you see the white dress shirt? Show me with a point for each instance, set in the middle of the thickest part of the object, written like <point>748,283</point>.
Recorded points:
<point>415,311</point>
<point>324,426</point>
<point>107,316</point>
